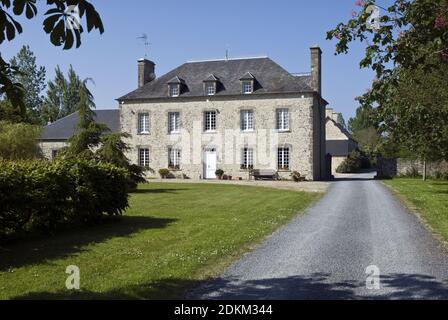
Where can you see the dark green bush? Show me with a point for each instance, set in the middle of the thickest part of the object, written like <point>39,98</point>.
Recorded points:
<point>41,195</point>
<point>352,164</point>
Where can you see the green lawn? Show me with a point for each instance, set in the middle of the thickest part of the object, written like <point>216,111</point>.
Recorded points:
<point>171,237</point>
<point>430,198</point>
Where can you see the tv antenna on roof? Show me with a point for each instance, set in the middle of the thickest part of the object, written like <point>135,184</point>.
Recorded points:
<point>144,38</point>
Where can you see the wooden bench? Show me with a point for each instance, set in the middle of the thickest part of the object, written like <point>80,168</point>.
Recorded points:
<point>264,174</point>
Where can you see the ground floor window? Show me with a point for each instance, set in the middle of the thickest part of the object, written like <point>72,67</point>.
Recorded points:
<point>54,153</point>
<point>143,157</point>
<point>283,158</point>
<point>247,159</point>
<point>174,158</point>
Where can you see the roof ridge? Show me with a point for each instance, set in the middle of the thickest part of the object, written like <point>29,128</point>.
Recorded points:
<point>228,59</point>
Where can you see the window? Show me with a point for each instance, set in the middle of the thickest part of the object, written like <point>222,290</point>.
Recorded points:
<point>247,87</point>
<point>174,122</point>
<point>210,121</point>
<point>174,90</point>
<point>210,88</point>
<point>248,158</point>
<point>174,158</point>
<point>54,153</point>
<point>282,119</point>
<point>283,158</point>
<point>143,123</point>
<point>247,120</point>
<point>143,157</point>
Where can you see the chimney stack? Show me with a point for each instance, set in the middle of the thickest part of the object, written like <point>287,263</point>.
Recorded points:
<point>316,69</point>
<point>146,72</point>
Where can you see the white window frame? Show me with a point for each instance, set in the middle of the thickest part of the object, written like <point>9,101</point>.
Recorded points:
<point>174,90</point>
<point>283,158</point>
<point>143,123</point>
<point>174,122</point>
<point>143,157</point>
<point>210,121</point>
<point>247,120</point>
<point>248,87</point>
<point>247,162</point>
<point>210,89</point>
<point>174,158</point>
<point>282,119</point>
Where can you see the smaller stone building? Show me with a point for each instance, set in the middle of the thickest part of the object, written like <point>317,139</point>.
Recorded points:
<point>56,134</point>
<point>339,142</point>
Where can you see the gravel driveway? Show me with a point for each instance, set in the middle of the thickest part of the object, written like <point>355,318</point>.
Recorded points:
<point>324,253</point>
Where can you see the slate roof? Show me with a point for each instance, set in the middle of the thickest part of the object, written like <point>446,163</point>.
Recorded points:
<point>65,128</point>
<point>270,77</point>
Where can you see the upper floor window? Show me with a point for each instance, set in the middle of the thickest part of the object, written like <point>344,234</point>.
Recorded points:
<point>174,90</point>
<point>248,87</point>
<point>282,119</point>
<point>248,158</point>
<point>174,158</point>
<point>210,121</point>
<point>174,122</point>
<point>143,157</point>
<point>283,158</point>
<point>247,120</point>
<point>210,88</point>
<point>143,123</point>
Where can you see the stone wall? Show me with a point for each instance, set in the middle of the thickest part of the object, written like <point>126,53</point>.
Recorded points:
<point>47,147</point>
<point>228,139</point>
<point>397,167</point>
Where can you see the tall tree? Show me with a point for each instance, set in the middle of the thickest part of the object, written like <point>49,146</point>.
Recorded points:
<point>63,22</point>
<point>407,47</point>
<point>63,95</point>
<point>32,78</point>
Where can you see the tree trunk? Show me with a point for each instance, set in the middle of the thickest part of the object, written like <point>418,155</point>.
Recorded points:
<point>424,170</point>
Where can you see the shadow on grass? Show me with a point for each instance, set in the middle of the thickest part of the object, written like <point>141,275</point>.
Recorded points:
<point>144,191</point>
<point>66,243</point>
<point>313,286</point>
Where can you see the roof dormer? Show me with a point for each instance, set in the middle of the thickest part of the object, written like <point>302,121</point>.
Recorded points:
<point>211,85</point>
<point>175,86</point>
<point>247,83</point>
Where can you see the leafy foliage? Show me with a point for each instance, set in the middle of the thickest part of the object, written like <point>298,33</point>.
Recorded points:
<point>60,23</point>
<point>112,150</point>
<point>41,195</point>
<point>19,141</point>
<point>409,53</point>
<point>355,161</point>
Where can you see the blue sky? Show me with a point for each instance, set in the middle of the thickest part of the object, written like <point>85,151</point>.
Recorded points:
<point>188,30</point>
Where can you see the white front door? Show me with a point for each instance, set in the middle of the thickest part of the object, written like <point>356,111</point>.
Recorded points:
<point>210,164</point>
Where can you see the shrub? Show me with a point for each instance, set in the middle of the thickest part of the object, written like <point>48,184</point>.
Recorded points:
<point>41,195</point>
<point>352,164</point>
<point>164,173</point>
<point>219,173</point>
<point>295,175</point>
<point>18,141</point>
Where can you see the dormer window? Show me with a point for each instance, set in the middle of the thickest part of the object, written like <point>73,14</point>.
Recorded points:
<point>210,89</point>
<point>174,90</point>
<point>211,85</point>
<point>247,83</point>
<point>247,87</point>
<point>175,86</point>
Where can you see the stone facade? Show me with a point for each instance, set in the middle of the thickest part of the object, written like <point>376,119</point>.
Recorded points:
<point>305,137</point>
<point>49,147</point>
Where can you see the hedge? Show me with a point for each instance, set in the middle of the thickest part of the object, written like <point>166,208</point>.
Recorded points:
<point>42,195</point>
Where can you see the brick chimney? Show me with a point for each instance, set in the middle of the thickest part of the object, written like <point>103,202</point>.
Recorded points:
<point>146,72</point>
<point>316,68</point>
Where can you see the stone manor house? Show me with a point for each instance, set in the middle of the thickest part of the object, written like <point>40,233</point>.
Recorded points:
<point>230,114</point>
